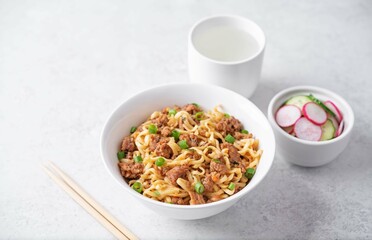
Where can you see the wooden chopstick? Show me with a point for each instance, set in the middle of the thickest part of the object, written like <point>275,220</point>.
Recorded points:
<point>90,205</point>
<point>92,202</point>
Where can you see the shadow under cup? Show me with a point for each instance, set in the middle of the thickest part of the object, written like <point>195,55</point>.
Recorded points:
<point>226,51</point>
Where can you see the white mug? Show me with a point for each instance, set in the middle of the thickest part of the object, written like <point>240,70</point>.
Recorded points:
<point>226,51</point>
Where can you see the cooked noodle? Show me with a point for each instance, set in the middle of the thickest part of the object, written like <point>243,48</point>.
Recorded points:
<point>208,160</point>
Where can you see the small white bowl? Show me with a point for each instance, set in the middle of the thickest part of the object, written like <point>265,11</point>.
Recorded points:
<point>138,108</point>
<point>309,153</point>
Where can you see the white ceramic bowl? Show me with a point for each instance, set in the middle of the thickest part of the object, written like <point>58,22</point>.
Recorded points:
<point>138,108</point>
<point>308,153</point>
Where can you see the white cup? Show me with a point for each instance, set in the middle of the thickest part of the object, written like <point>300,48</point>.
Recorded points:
<point>226,51</point>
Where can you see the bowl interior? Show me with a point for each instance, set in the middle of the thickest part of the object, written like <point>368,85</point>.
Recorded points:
<point>231,21</point>
<point>139,107</point>
<point>321,94</point>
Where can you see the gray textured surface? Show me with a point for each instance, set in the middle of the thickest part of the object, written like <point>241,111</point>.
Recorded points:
<point>64,65</point>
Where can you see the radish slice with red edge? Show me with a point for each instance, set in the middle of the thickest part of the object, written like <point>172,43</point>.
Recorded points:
<point>340,128</point>
<point>329,104</point>
<point>306,130</point>
<point>287,115</point>
<point>314,113</point>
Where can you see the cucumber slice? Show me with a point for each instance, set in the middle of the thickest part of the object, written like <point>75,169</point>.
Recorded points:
<point>298,101</point>
<point>328,130</point>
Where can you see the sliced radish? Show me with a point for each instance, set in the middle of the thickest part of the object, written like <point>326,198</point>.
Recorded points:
<point>289,129</point>
<point>340,129</point>
<point>329,104</point>
<point>306,130</point>
<point>287,115</point>
<point>335,123</point>
<point>314,113</point>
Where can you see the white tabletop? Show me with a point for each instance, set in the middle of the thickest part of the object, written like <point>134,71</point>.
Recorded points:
<point>64,66</point>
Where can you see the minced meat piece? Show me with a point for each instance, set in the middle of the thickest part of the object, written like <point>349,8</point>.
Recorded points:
<point>176,172</point>
<point>229,125</point>
<point>218,166</point>
<point>163,149</point>
<point>161,120</point>
<point>234,155</point>
<point>193,155</point>
<point>179,201</point>
<point>129,155</point>
<point>239,135</point>
<point>154,139</point>
<point>128,144</point>
<point>202,132</point>
<point>191,108</point>
<point>162,170</point>
<point>166,131</point>
<point>191,139</point>
<point>131,170</point>
<point>208,183</point>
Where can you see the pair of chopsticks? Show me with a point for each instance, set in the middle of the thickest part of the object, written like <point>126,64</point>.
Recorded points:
<point>90,205</point>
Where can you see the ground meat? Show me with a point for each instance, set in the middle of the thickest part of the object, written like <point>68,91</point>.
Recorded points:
<point>162,170</point>
<point>163,149</point>
<point>196,198</point>
<point>128,144</point>
<point>229,125</point>
<point>176,172</point>
<point>193,155</point>
<point>160,147</point>
<point>166,131</point>
<point>239,135</point>
<point>234,156</point>
<point>161,120</point>
<point>208,183</point>
<point>242,167</point>
<point>218,166</point>
<point>202,132</point>
<point>191,139</point>
<point>191,108</point>
<point>179,201</point>
<point>130,170</point>
<point>129,155</point>
<point>154,139</point>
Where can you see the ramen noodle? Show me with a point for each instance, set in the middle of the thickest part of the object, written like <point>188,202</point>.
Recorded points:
<point>189,156</point>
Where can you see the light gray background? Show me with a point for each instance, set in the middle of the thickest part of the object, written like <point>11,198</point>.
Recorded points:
<point>64,66</point>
